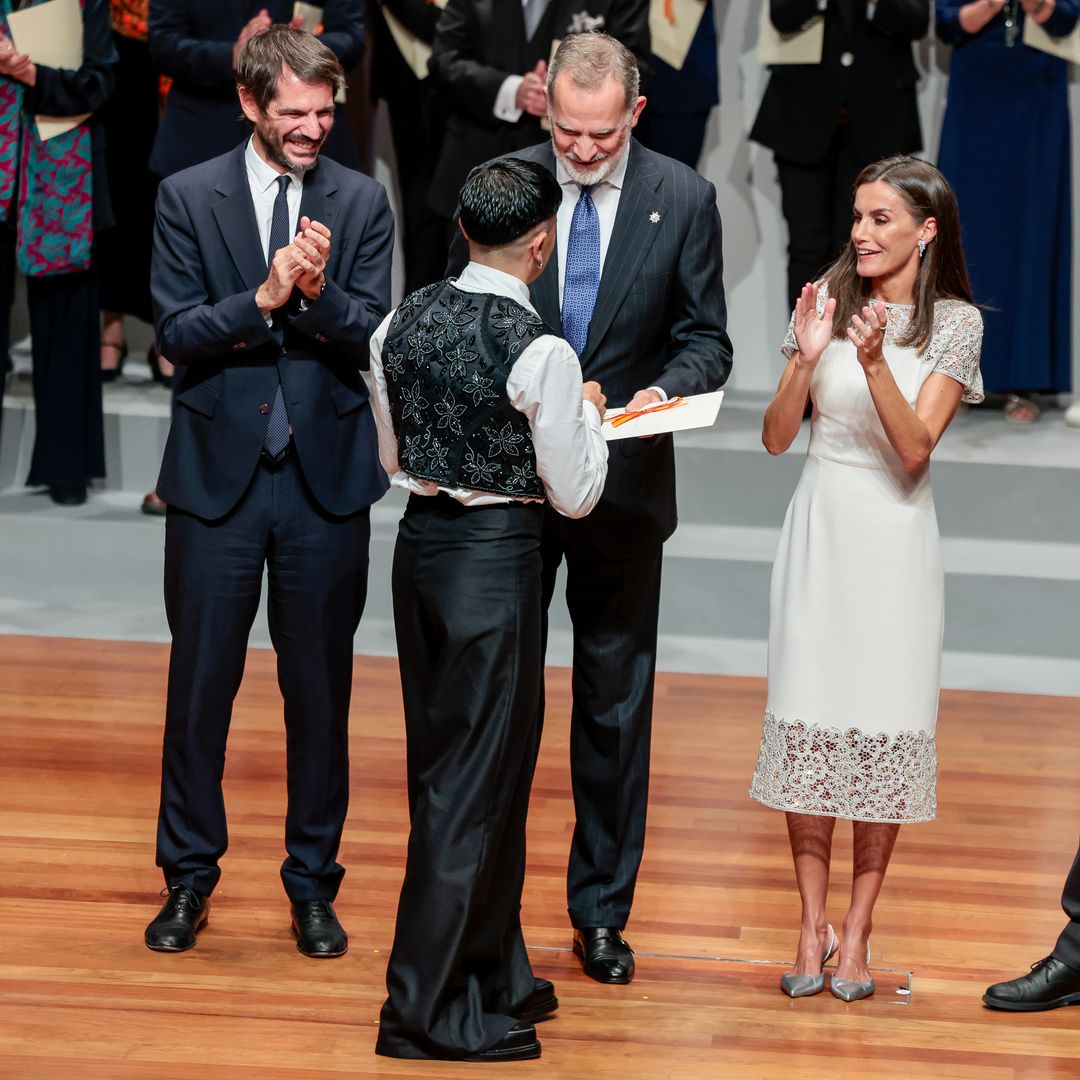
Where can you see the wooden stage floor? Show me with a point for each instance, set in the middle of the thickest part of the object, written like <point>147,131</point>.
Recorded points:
<point>969,899</point>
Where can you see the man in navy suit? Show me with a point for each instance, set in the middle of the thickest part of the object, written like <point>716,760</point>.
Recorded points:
<point>271,269</point>
<point>636,285</point>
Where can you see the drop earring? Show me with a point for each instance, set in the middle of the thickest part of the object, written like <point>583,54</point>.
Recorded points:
<point>922,248</point>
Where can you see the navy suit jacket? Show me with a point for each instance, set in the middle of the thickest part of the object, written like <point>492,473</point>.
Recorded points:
<point>660,320</point>
<point>207,265</point>
<point>192,42</point>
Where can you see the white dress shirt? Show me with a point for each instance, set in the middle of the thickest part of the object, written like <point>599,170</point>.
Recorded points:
<point>545,385</point>
<point>262,181</point>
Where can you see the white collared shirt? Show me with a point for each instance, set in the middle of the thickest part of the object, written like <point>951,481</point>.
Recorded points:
<point>262,182</point>
<point>605,197</point>
<point>545,385</point>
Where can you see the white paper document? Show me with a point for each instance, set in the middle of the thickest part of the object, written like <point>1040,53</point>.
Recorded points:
<point>678,414</point>
<point>1067,47</point>
<point>802,47</point>
<point>51,34</point>
<point>415,52</point>
<point>672,37</point>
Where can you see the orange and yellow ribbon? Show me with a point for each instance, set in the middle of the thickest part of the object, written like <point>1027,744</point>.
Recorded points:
<point>626,417</point>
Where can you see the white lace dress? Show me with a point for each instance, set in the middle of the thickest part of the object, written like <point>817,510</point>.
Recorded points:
<point>857,597</point>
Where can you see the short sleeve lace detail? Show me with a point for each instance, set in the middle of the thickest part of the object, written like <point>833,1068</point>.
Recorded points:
<point>956,344</point>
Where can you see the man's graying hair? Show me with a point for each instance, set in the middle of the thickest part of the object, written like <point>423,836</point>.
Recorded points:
<point>260,62</point>
<point>588,59</point>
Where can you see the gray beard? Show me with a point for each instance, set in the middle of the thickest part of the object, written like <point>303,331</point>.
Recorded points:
<point>589,177</point>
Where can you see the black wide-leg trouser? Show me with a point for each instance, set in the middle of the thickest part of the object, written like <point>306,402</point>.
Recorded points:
<point>467,610</point>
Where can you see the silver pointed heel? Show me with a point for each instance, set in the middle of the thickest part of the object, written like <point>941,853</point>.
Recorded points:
<point>852,989</point>
<point>797,986</point>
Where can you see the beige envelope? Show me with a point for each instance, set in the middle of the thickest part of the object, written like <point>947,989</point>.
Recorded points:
<point>802,47</point>
<point>671,40</point>
<point>1068,47</point>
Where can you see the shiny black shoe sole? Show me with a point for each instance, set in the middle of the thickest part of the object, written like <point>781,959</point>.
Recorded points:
<point>183,948</point>
<point>517,1053</point>
<point>622,980</point>
<point>1031,1006</point>
<point>316,955</point>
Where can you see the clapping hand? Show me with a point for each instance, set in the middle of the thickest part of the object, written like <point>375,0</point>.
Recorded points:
<point>1039,10</point>
<point>868,333</point>
<point>813,332</point>
<point>311,251</point>
<point>255,25</point>
<point>531,95</point>
<point>16,65</point>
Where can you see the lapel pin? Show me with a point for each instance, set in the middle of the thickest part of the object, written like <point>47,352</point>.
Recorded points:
<point>654,217</point>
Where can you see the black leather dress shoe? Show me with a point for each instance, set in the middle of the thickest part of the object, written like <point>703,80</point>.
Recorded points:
<point>518,1044</point>
<point>605,955</point>
<point>318,932</point>
<point>181,917</point>
<point>539,1005</point>
<point>1049,985</point>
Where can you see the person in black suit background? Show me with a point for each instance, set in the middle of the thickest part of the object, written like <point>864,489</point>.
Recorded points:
<point>195,43</point>
<point>637,288</point>
<point>826,122</point>
<point>271,270</point>
<point>416,123</point>
<point>489,63</point>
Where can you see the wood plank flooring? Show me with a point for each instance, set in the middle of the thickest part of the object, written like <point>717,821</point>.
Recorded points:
<point>969,899</point>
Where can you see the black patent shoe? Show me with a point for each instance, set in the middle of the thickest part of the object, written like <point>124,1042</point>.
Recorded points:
<point>1049,985</point>
<point>318,932</point>
<point>539,1005</point>
<point>181,917</point>
<point>605,954</point>
<point>518,1044</point>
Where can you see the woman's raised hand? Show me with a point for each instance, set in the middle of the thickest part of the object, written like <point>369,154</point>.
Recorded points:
<point>812,332</point>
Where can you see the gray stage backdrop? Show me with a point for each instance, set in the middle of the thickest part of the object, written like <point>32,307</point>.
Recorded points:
<point>749,198</point>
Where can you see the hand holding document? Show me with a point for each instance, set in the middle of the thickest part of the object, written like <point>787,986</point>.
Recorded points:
<point>1067,47</point>
<point>802,47</point>
<point>51,34</point>
<point>675,414</point>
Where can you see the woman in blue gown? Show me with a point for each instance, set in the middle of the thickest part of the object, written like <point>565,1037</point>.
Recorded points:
<point>1005,150</point>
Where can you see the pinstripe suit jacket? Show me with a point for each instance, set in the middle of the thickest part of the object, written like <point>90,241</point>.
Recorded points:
<point>660,320</point>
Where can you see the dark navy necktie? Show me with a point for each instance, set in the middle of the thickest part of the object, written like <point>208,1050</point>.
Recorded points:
<point>581,282</point>
<point>276,439</point>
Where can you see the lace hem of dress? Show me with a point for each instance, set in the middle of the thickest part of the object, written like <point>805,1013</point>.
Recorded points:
<point>861,776</point>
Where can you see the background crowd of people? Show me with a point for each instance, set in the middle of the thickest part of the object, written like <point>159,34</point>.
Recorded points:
<point>464,81</point>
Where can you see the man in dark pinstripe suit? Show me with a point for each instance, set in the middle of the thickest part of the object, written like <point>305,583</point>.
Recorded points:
<point>654,328</point>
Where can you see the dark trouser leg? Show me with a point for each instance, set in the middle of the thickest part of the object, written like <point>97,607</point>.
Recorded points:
<point>1067,949</point>
<point>317,584</point>
<point>614,606</point>
<point>808,201</point>
<point>213,576</point>
<point>69,445</point>
<point>467,612</point>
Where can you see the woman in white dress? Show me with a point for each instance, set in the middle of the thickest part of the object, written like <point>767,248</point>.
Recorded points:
<point>886,346</point>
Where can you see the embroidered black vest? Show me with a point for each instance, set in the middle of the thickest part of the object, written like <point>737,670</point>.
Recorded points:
<point>447,356</point>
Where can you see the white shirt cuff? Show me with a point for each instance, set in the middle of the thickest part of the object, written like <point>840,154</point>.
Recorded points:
<point>505,100</point>
<point>871,7</point>
<point>658,390</point>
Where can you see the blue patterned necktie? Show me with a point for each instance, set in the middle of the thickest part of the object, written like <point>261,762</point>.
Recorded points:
<point>581,282</point>
<point>276,439</point>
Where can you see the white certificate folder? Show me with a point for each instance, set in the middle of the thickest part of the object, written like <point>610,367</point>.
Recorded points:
<point>679,414</point>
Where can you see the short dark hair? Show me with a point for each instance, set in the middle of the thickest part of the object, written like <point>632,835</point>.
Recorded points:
<point>503,200</point>
<point>260,62</point>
